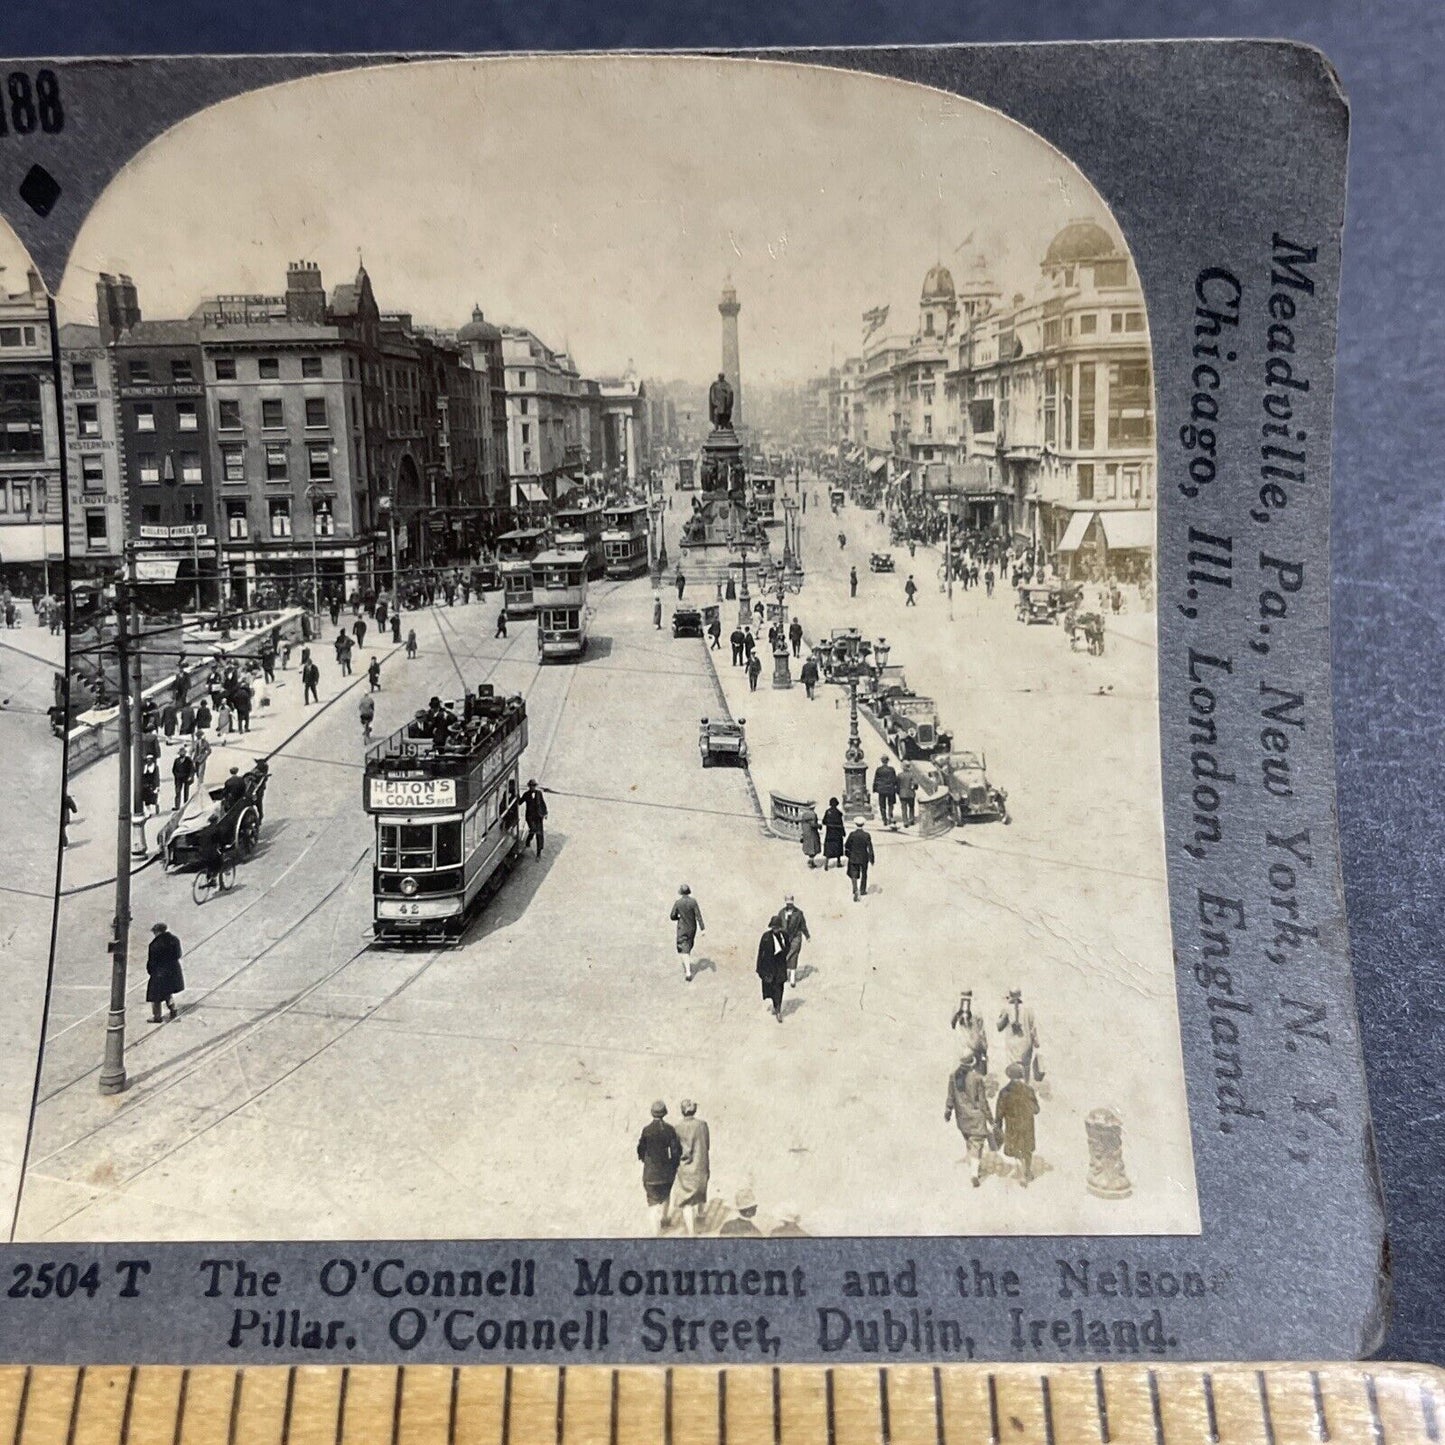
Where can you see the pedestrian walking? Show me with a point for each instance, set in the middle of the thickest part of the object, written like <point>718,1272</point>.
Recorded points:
<point>907,795</point>
<point>885,786</point>
<point>735,640</point>
<point>657,610</point>
<point>373,675</point>
<point>852,582</point>
<point>772,965</point>
<point>285,656</point>
<point>411,645</point>
<point>795,636</point>
<point>714,631</point>
<point>1016,1107</point>
<point>660,1151</point>
<point>988,581</point>
<point>501,622</point>
<point>150,786</point>
<point>164,979</point>
<point>186,720</point>
<point>68,809</point>
<point>760,612</point>
<point>810,835</point>
<point>1021,1035</point>
<point>268,662</point>
<point>694,1166</point>
<point>688,917</point>
<point>755,670</point>
<point>859,852</point>
<point>534,810</point>
<point>242,707</point>
<point>795,930</point>
<point>182,771</point>
<point>834,835</point>
<point>223,721</point>
<point>966,1103</point>
<point>359,628</point>
<point>170,715</point>
<point>910,592</point>
<point>367,710</point>
<point>310,681</point>
<point>681,582</point>
<point>809,675</point>
<point>345,658</point>
<point>974,1033</point>
<point>750,643</point>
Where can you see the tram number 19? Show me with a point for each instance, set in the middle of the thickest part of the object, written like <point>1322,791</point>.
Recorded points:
<point>30,105</point>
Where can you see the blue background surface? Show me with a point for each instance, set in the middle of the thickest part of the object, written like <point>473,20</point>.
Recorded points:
<point>1390,415</point>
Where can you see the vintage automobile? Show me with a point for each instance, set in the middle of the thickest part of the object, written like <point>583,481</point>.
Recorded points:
<point>686,622</point>
<point>914,728</point>
<point>975,799</point>
<point>836,497</point>
<point>210,818</point>
<point>722,741</point>
<point>1044,601</point>
<point>880,562</point>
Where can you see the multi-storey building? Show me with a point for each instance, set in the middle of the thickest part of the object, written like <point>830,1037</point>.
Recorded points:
<point>32,535</point>
<point>97,528</point>
<point>483,341</point>
<point>547,429</point>
<point>165,452</point>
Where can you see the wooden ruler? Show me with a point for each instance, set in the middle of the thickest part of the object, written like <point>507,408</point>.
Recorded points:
<point>790,1405</point>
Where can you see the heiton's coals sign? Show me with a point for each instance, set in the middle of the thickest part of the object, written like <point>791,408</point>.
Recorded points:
<point>407,794</point>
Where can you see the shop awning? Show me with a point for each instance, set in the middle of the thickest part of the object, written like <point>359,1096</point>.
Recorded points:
<point>532,491</point>
<point>27,542</point>
<point>156,569</point>
<point>877,465</point>
<point>1074,533</point>
<point>1129,531</point>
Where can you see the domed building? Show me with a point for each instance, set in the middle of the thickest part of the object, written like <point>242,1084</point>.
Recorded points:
<point>937,303</point>
<point>1084,253</point>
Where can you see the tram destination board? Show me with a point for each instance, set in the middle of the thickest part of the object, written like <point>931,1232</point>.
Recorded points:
<point>684,1067</point>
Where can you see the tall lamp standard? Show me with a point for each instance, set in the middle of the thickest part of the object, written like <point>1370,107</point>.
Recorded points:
<point>781,581</point>
<point>855,667</point>
<point>313,495</point>
<point>742,545</point>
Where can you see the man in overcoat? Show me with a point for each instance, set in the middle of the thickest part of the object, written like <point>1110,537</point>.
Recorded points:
<point>795,930</point>
<point>163,972</point>
<point>534,810</point>
<point>772,965</point>
<point>661,1152</point>
<point>858,849</point>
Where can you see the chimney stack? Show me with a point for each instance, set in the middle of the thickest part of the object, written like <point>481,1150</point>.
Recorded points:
<point>305,295</point>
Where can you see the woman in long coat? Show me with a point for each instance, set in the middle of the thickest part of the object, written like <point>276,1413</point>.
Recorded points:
<point>163,971</point>
<point>834,831</point>
<point>810,836</point>
<point>967,1105</point>
<point>1017,1104</point>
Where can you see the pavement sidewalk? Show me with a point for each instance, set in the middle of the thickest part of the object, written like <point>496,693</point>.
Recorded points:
<point>36,642</point>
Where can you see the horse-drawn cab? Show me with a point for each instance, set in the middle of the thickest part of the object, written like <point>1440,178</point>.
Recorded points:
<point>227,818</point>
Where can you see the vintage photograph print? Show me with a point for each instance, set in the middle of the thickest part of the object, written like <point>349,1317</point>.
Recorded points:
<point>638,575</point>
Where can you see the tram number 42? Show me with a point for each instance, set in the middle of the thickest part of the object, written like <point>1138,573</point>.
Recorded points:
<point>29,105</point>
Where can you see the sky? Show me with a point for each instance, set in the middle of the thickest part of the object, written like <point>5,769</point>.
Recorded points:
<point>600,201</point>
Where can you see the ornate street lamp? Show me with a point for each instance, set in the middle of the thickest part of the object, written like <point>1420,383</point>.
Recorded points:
<point>852,664</point>
<point>782,581</point>
<point>740,544</point>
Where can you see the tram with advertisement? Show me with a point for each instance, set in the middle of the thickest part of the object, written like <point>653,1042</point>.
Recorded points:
<point>515,551</point>
<point>686,477</point>
<point>559,587</point>
<point>579,529</point>
<point>445,800</point>
<point>764,496</point>
<point>624,541</point>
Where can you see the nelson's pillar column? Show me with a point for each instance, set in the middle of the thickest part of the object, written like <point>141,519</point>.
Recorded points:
<point>732,368</point>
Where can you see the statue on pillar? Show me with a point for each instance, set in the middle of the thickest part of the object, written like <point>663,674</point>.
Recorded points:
<point>720,402</point>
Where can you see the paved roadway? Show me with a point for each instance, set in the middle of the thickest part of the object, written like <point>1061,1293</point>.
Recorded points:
<point>314,1086</point>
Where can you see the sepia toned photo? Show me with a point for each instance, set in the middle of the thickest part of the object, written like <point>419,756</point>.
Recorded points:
<point>613,673</point>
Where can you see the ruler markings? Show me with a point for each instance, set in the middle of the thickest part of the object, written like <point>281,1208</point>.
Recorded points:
<point>1372,1397</point>
<point>129,1408</point>
<point>74,1420</point>
<point>561,1402</point>
<point>612,1411</point>
<point>722,1407</point>
<point>1428,1413</point>
<point>667,1407</point>
<point>181,1406</point>
<point>286,1412</point>
<point>777,1406</point>
<point>452,1394</point>
<point>1046,1399</point>
<point>507,1407</point>
<point>235,1417</point>
<point>1322,1422</point>
<point>831,1407</point>
<point>993,1434</point>
<point>1155,1409</point>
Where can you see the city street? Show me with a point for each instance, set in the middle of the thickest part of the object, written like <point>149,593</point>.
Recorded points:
<point>316,1087</point>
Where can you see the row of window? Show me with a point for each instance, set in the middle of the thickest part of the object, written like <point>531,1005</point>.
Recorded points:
<point>141,373</point>
<point>19,498</point>
<point>273,413</point>
<point>1119,481</point>
<point>1121,323</point>
<point>22,420</point>
<point>278,514</point>
<point>277,464</point>
<point>12,337</point>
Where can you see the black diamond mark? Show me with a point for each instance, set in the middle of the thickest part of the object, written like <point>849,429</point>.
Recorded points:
<point>39,190</point>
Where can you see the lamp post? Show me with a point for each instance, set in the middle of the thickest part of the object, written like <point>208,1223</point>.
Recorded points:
<point>741,545</point>
<point>313,494</point>
<point>854,666</point>
<point>782,581</point>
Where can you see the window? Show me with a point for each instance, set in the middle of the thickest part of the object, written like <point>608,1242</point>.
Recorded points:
<point>82,374</point>
<point>316,411</point>
<point>96,539</point>
<point>1086,406</point>
<point>268,368</point>
<point>1134,321</point>
<point>1088,324</point>
<point>150,514</point>
<point>1086,481</point>
<point>1116,322</point>
<point>928,424</point>
<point>194,515</point>
<point>310,366</point>
<point>1068,275</point>
<point>526,433</point>
<point>980,414</point>
<point>280,508</point>
<point>276,468</point>
<point>324,521</point>
<point>233,463</point>
<point>87,419</point>
<point>149,467</point>
<point>418,847</point>
<point>1111,273</point>
<point>928,323</point>
<point>1051,407</point>
<point>272,415</point>
<point>191,467</point>
<point>17,336</point>
<point>22,497</point>
<point>521,378</point>
<point>145,417</point>
<point>140,371</point>
<point>181,371</point>
<point>1053,332</point>
<point>522,406</point>
<point>4,499</point>
<point>229,414</point>
<point>1111,481</point>
<point>1130,405</point>
<point>22,430</point>
<point>1130,478</point>
<point>92,474</point>
<point>318,463</point>
<point>225,368</point>
<point>186,418</point>
<point>236,521</point>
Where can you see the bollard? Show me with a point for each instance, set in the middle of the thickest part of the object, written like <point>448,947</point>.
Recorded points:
<point>935,815</point>
<point>1107,1179</point>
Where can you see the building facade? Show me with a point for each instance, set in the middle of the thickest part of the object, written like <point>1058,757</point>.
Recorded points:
<point>547,424</point>
<point>32,537</point>
<point>97,522</point>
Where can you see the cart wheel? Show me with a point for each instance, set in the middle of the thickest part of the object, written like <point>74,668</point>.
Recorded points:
<point>200,887</point>
<point>248,829</point>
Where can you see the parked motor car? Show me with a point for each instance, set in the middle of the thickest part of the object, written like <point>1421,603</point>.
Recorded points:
<point>687,622</point>
<point>975,799</point>
<point>880,562</point>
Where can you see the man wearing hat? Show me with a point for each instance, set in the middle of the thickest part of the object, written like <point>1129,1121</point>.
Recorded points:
<point>974,1034</point>
<point>885,785</point>
<point>858,850</point>
<point>534,808</point>
<point>745,1224</point>
<point>694,1168</point>
<point>164,978</point>
<point>772,965</point>
<point>661,1152</point>
<point>1021,1035</point>
<point>688,917</point>
<point>795,930</point>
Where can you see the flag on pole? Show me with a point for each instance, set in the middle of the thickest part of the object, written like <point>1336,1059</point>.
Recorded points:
<point>873,319</point>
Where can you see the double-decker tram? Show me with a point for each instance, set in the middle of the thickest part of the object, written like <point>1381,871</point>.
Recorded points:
<point>579,529</point>
<point>764,491</point>
<point>515,551</point>
<point>443,790</point>
<point>559,585</point>
<point>624,540</point>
